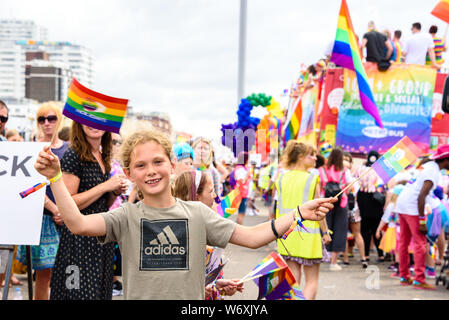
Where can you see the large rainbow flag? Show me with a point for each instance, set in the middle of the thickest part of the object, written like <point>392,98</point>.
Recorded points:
<point>346,53</point>
<point>293,122</point>
<point>441,10</point>
<point>396,159</point>
<point>94,109</point>
<point>229,204</point>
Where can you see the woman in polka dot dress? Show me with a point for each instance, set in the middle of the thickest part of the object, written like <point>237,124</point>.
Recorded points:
<point>83,268</point>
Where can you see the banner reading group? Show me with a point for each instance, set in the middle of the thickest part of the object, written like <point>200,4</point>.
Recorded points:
<point>404,97</point>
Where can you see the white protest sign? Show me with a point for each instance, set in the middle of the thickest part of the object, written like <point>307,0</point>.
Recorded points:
<point>20,219</point>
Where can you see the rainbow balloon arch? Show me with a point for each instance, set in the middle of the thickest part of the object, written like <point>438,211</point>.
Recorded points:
<point>251,133</point>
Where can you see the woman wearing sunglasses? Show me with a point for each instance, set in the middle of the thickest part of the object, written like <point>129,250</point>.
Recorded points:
<point>43,256</point>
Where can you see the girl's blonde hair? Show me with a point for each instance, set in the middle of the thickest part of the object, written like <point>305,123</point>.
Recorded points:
<point>44,109</point>
<point>141,137</point>
<point>295,150</point>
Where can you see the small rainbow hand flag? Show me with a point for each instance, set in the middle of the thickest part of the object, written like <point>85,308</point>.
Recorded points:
<point>229,204</point>
<point>396,159</point>
<point>94,109</point>
<point>275,279</point>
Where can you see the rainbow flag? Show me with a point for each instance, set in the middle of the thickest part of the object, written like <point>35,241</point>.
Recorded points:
<point>293,122</point>
<point>94,109</point>
<point>294,294</point>
<point>346,53</point>
<point>396,159</point>
<point>277,278</point>
<point>229,204</point>
<point>441,10</point>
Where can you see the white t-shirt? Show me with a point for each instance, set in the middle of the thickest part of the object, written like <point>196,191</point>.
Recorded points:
<point>416,48</point>
<point>407,202</point>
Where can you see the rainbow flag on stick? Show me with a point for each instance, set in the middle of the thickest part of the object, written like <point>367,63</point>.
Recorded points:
<point>94,109</point>
<point>229,204</point>
<point>441,10</point>
<point>293,122</point>
<point>396,159</point>
<point>346,53</point>
<point>273,277</point>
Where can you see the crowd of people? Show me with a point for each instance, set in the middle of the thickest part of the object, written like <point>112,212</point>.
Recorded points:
<point>110,189</point>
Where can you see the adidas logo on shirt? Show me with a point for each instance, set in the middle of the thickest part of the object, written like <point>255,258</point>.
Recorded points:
<point>164,244</point>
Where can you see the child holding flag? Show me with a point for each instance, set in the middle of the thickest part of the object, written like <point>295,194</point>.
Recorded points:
<point>162,239</point>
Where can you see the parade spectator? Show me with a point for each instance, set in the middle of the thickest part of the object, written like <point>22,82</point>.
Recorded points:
<point>243,179</point>
<point>371,210</point>
<point>333,180</point>
<point>397,44</point>
<point>410,207</point>
<point>3,120</point>
<point>418,46</point>
<point>146,157</point>
<point>64,134</point>
<point>354,215</point>
<point>196,186</point>
<point>13,135</point>
<point>303,250</point>
<point>184,157</point>
<point>203,160</point>
<point>376,45</point>
<point>86,167</point>
<point>440,47</point>
<point>48,120</point>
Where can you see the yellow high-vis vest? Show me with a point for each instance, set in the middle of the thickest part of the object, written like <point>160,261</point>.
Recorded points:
<point>294,188</point>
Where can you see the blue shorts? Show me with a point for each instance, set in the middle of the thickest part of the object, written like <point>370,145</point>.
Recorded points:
<point>242,208</point>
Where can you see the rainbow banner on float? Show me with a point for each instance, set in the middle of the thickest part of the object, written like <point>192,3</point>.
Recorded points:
<point>404,95</point>
<point>94,109</point>
<point>399,157</point>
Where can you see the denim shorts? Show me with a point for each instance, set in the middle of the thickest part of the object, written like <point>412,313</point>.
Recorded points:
<point>242,208</point>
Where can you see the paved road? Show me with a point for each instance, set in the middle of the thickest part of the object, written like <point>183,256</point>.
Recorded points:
<point>352,283</point>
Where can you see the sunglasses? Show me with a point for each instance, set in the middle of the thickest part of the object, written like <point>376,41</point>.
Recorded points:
<point>3,119</point>
<point>114,142</point>
<point>51,119</point>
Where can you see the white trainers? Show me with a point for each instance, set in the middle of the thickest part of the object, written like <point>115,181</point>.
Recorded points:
<point>334,267</point>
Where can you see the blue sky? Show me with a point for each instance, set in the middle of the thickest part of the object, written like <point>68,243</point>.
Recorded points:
<point>180,57</point>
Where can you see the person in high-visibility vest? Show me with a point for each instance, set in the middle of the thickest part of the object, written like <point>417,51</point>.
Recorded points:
<point>302,249</point>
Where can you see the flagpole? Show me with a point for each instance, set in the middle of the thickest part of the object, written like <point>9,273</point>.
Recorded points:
<point>352,183</point>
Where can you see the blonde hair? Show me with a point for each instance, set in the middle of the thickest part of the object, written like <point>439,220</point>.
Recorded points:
<point>197,141</point>
<point>141,137</point>
<point>295,150</point>
<point>44,109</point>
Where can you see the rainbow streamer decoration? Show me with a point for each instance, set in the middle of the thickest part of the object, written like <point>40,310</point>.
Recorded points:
<point>276,277</point>
<point>34,188</point>
<point>396,159</point>
<point>292,125</point>
<point>94,109</point>
<point>441,10</point>
<point>346,53</point>
<point>229,204</point>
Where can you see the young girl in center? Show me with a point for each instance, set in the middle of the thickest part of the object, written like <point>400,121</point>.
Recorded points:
<point>162,239</point>
<point>198,186</point>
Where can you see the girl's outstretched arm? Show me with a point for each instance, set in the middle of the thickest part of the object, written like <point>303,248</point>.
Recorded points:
<point>262,234</point>
<point>47,164</point>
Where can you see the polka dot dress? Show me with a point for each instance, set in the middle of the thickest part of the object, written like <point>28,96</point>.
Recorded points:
<point>83,268</point>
